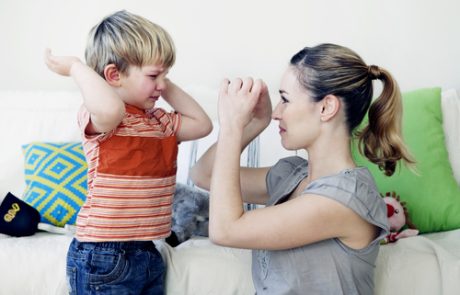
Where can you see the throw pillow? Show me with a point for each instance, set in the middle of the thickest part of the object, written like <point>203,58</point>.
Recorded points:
<point>431,194</point>
<point>56,180</point>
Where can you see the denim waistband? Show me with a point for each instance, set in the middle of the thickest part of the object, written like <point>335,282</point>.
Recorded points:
<point>126,246</point>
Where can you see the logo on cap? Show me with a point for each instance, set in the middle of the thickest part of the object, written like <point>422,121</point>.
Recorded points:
<point>12,212</point>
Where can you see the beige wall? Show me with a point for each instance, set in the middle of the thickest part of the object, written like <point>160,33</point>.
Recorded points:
<point>418,40</point>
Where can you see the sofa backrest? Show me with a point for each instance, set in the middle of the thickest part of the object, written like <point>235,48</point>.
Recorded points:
<point>51,116</point>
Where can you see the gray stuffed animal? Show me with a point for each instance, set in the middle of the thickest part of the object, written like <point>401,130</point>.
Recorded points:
<point>190,214</point>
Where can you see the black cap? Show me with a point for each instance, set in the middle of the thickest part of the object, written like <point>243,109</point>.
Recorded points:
<point>17,218</point>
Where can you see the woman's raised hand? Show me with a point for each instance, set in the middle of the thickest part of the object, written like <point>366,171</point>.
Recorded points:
<point>263,109</point>
<point>242,100</point>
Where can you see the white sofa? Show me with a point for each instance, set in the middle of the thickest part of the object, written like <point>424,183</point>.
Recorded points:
<point>425,264</point>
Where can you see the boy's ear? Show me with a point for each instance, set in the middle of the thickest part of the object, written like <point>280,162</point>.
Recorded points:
<point>112,75</point>
<point>330,107</point>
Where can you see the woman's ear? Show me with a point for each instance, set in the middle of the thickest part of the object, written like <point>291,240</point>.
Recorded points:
<point>330,106</point>
<point>112,75</point>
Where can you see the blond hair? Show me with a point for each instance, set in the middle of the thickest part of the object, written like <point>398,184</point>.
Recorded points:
<point>126,39</point>
<point>333,69</point>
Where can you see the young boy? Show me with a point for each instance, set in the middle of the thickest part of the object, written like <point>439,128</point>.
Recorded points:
<point>131,149</point>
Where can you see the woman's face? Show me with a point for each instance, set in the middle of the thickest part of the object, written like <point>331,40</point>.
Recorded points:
<point>297,113</point>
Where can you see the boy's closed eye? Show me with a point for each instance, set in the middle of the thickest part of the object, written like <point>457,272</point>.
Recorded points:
<point>154,76</point>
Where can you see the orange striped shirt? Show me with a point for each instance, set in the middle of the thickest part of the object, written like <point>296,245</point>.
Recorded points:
<point>131,177</point>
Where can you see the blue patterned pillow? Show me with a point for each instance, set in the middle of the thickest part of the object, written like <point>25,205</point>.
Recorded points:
<point>56,179</point>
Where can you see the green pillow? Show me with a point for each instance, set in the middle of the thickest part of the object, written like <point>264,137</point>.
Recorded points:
<point>432,196</point>
<point>56,179</point>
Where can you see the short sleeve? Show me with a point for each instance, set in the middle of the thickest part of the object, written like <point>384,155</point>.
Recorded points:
<point>84,118</point>
<point>356,190</point>
<point>170,120</point>
<point>284,176</point>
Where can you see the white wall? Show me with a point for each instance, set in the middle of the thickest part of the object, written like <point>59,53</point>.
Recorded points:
<point>417,40</point>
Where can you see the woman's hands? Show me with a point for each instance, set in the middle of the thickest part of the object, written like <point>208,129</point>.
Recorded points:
<point>60,64</point>
<point>244,102</point>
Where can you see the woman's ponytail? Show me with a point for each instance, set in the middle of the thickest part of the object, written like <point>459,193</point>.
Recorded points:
<point>381,140</point>
<point>333,69</point>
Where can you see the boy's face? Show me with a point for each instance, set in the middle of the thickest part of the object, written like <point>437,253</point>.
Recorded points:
<point>142,86</point>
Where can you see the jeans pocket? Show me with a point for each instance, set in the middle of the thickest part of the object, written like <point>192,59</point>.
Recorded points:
<point>157,266</point>
<point>106,268</point>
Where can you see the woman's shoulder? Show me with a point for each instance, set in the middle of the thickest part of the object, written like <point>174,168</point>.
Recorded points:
<point>353,183</point>
<point>291,162</point>
<point>356,189</point>
<point>285,175</point>
<point>287,167</point>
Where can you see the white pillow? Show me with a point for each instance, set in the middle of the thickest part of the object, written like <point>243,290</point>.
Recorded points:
<point>450,104</point>
<point>27,116</point>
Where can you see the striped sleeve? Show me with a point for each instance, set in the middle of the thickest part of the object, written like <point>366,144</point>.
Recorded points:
<point>84,118</point>
<point>171,120</point>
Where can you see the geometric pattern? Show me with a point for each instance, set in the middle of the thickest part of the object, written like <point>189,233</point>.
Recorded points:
<point>56,178</point>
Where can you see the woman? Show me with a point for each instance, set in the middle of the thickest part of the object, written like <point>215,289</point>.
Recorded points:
<point>319,232</point>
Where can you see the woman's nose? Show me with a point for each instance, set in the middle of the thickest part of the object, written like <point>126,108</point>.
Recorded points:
<point>276,113</point>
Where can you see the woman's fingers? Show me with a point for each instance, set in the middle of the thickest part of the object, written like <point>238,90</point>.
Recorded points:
<point>224,87</point>
<point>244,86</point>
<point>247,84</point>
<point>257,87</point>
<point>235,85</point>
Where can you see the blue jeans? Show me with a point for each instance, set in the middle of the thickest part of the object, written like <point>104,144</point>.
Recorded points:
<point>115,268</point>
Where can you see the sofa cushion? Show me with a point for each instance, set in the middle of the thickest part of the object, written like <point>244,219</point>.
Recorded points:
<point>450,105</point>
<point>27,116</point>
<point>56,178</point>
<point>198,266</point>
<point>431,192</point>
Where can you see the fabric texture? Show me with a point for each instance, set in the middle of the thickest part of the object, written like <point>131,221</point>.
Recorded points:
<point>115,268</point>
<point>431,193</point>
<point>55,175</point>
<point>190,215</point>
<point>424,264</point>
<point>198,266</point>
<point>131,177</point>
<point>328,266</point>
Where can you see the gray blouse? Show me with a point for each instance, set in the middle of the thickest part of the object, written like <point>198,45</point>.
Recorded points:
<point>328,266</point>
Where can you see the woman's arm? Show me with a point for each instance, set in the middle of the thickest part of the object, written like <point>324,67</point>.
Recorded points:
<point>195,121</point>
<point>252,179</point>
<point>238,102</point>
<point>304,220</point>
<point>299,221</point>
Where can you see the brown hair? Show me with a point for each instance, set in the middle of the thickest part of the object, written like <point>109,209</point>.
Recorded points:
<point>333,69</point>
